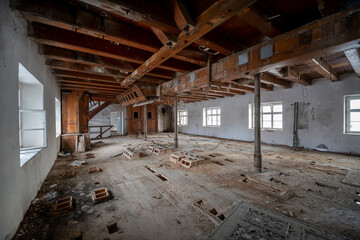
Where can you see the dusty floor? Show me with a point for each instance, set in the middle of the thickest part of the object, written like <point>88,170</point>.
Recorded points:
<point>145,207</point>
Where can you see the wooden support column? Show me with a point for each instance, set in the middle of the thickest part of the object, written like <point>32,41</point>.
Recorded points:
<point>175,121</point>
<point>145,122</point>
<point>257,130</point>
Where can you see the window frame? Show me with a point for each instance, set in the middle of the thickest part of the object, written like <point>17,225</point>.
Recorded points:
<point>206,115</point>
<point>271,113</point>
<point>347,112</point>
<point>179,117</point>
<point>57,115</point>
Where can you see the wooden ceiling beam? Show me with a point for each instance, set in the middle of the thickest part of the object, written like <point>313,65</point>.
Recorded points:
<point>99,78</point>
<point>104,89</point>
<point>181,16</point>
<point>255,20</point>
<point>293,76</point>
<point>87,83</point>
<point>57,37</point>
<point>353,55</point>
<point>126,10</point>
<point>218,13</point>
<point>71,56</point>
<point>79,67</point>
<point>302,44</point>
<point>104,98</point>
<point>322,67</point>
<point>66,17</point>
<point>268,78</point>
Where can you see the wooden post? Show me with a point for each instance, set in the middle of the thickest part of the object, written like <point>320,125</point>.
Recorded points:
<point>145,122</point>
<point>257,130</point>
<point>175,121</point>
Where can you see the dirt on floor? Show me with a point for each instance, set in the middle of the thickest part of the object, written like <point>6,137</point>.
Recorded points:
<point>154,198</point>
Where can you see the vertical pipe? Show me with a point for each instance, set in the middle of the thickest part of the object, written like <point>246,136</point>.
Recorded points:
<point>145,122</point>
<point>175,122</point>
<point>257,130</point>
<point>295,130</point>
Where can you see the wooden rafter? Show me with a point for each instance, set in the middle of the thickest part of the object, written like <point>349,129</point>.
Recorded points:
<point>53,36</point>
<point>80,21</point>
<point>322,67</point>
<point>259,22</point>
<point>353,55</point>
<point>211,18</point>
<point>124,10</point>
<point>70,56</point>
<point>268,78</point>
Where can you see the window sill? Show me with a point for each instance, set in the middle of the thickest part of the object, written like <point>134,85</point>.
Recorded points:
<point>352,133</point>
<point>212,126</point>
<point>269,130</point>
<point>27,155</point>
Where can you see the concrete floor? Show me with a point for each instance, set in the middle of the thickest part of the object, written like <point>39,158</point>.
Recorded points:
<point>145,207</point>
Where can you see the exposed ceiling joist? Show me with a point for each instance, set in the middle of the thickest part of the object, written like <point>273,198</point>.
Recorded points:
<point>78,42</point>
<point>125,10</point>
<point>294,76</point>
<point>218,13</point>
<point>258,22</point>
<point>322,67</point>
<point>84,22</point>
<point>268,78</point>
<point>96,61</point>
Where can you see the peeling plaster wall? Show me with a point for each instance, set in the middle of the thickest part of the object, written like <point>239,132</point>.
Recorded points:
<point>321,115</point>
<point>19,185</point>
<point>104,118</point>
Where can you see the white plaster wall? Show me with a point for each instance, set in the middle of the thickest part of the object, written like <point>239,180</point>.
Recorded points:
<point>19,185</point>
<point>104,118</point>
<point>321,113</point>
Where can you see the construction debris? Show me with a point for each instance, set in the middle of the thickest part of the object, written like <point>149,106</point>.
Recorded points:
<point>77,163</point>
<point>191,160</point>
<point>130,154</point>
<point>94,170</point>
<point>69,174</point>
<point>210,211</point>
<point>177,157</point>
<point>100,195</point>
<point>63,205</point>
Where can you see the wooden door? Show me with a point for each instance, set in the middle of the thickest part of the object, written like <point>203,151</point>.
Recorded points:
<point>135,119</point>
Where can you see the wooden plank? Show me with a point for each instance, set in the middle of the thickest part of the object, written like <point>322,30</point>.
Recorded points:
<point>57,37</point>
<point>105,89</point>
<point>322,67</point>
<point>131,96</point>
<point>218,13</point>
<point>269,78</point>
<point>87,83</point>
<point>165,38</point>
<point>353,55</point>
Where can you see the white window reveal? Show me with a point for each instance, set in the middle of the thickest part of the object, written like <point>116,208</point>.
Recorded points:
<point>212,116</point>
<point>182,117</point>
<point>352,114</point>
<point>58,117</point>
<point>271,116</point>
<point>32,116</point>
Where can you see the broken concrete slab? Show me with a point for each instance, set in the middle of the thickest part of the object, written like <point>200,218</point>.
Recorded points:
<point>352,178</point>
<point>248,221</point>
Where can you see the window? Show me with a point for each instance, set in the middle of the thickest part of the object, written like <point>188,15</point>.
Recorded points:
<point>149,115</point>
<point>352,114</point>
<point>58,117</point>
<point>136,115</point>
<point>32,116</point>
<point>211,116</point>
<point>271,116</point>
<point>182,119</point>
